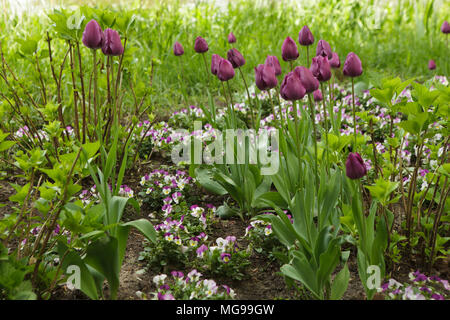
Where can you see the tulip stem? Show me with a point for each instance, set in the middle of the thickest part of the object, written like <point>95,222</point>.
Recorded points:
<point>354,110</point>
<point>325,123</point>
<point>331,106</point>
<point>292,66</point>
<point>183,87</point>
<point>279,104</point>
<point>94,56</point>
<point>226,99</point>
<point>307,56</point>
<point>83,96</point>
<point>273,110</point>
<point>313,120</point>
<point>206,66</point>
<point>231,101</point>
<point>252,111</point>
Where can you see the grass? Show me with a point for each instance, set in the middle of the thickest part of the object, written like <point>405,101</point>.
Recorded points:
<point>390,37</point>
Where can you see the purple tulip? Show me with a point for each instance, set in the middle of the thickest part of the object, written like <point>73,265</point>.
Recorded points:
<point>274,63</point>
<point>324,49</point>
<point>318,95</point>
<point>335,62</point>
<point>265,77</point>
<point>355,167</point>
<point>231,38</point>
<point>92,35</point>
<point>111,45</point>
<point>215,61</point>
<point>289,50</point>
<point>352,65</point>
<point>178,49</point>
<point>236,58</point>
<point>431,65</point>
<point>291,87</point>
<point>309,82</point>
<point>305,37</point>
<point>200,46</point>
<point>445,28</point>
<point>226,71</point>
<point>320,68</point>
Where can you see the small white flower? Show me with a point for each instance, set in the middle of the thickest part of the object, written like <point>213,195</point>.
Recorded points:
<point>159,279</point>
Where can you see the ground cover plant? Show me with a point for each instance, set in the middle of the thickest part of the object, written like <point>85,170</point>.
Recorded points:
<point>203,151</point>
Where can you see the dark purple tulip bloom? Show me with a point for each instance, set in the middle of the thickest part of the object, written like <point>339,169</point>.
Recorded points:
<point>431,65</point>
<point>355,167</point>
<point>236,58</point>
<point>111,46</point>
<point>200,46</point>
<point>92,35</point>
<point>178,49</point>
<point>352,65</point>
<point>231,38</point>
<point>318,95</point>
<point>215,61</point>
<point>274,63</point>
<point>445,28</point>
<point>291,87</point>
<point>324,49</point>
<point>226,71</point>
<point>289,50</point>
<point>309,82</point>
<point>335,62</point>
<point>320,68</point>
<point>305,37</point>
<point>265,77</point>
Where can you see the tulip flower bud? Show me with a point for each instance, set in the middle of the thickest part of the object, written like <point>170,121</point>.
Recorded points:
<point>274,63</point>
<point>431,65</point>
<point>200,45</point>
<point>289,50</point>
<point>335,62</point>
<point>112,46</point>
<point>324,49</point>
<point>92,35</point>
<point>320,68</point>
<point>305,37</point>
<point>291,87</point>
<point>355,167</point>
<point>309,82</point>
<point>318,95</point>
<point>352,65</point>
<point>445,28</point>
<point>231,38</point>
<point>236,58</point>
<point>226,71</point>
<point>215,61</point>
<point>178,49</point>
<point>265,77</point>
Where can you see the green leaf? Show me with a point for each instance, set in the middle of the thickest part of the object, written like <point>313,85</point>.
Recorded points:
<point>143,226</point>
<point>340,283</point>
<point>87,283</point>
<point>102,255</point>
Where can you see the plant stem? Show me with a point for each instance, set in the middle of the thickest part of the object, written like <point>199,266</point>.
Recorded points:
<point>206,67</point>
<point>313,120</point>
<point>96,115</point>
<point>252,111</point>
<point>83,97</point>
<point>354,111</point>
<point>326,124</point>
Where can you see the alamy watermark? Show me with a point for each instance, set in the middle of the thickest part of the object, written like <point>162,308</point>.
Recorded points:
<point>234,146</point>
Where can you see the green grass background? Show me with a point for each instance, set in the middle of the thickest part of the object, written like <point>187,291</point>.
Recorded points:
<point>390,37</point>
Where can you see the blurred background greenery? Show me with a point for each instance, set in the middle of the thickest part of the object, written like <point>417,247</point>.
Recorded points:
<point>391,37</point>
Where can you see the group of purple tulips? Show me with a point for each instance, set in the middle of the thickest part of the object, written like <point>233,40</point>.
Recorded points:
<point>297,83</point>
